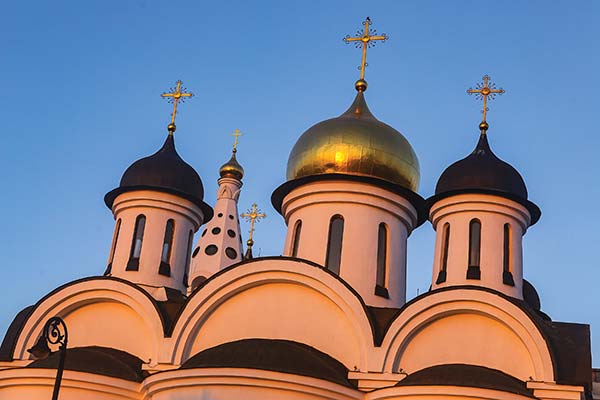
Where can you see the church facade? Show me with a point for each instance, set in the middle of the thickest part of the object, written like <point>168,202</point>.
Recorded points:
<point>174,319</point>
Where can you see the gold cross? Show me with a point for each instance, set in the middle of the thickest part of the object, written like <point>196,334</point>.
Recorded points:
<point>174,96</point>
<point>253,214</point>
<point>483,90</point>
<point>237,133</point>
<point>365,39</point>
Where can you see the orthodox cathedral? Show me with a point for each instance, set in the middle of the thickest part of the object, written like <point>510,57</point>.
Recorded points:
<point>178,318</point>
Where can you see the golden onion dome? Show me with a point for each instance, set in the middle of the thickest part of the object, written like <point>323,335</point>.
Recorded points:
<point>355,143</point>
<point>232,169</point>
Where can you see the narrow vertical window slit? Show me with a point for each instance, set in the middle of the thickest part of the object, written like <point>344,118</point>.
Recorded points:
<point>167,248</point>
<point>334,244</point>
<point>474,271</point>
<point>507,276</point>
<point>296,238</point>
<point>136,245</point>
<point>442,274</point>
<point>382,262</point>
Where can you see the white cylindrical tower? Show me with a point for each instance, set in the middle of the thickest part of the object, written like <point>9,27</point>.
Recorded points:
<point>357,229</point>
<point>157,208</point>
<point>480,213</point>
<point>220,243</point>
<point>349,203</point>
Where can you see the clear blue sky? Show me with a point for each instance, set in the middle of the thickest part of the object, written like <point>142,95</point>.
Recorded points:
<point>80,101</point>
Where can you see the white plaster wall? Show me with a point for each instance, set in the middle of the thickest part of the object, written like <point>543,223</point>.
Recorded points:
<point>467,326</point>
<point>246,390</point>
<point>292,300</point>
<point>110,324</point>
<point>246,384</point>
<point>38,384</point>
<point>467,338</point>
<point>363,208</point>
<point>552,391</point>
<point>493,212</point>
<point>281,311</point>
<point>158,208</point>
<point>439,392</point>
<point>235,384</point>
<point>275,299</point>
<point>99,312</point>
<point>225,218</point>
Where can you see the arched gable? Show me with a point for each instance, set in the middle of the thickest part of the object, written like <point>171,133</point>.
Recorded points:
<point>275,298</point>
<point>467,326</point>
<point>98,311</point>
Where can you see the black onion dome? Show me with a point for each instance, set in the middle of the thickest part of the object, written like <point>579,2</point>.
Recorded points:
<point>164,171</point>
<point>483,172</point>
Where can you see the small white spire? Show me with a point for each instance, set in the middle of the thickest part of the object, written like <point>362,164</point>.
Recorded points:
<point>220,243</point>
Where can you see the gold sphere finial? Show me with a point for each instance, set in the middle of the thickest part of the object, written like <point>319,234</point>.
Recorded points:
<point>171,128</point>
<point>483,126</point>
<point>361,85</point>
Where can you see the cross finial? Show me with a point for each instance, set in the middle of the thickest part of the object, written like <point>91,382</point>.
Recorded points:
<point>483,90</point>
<point>175,96</point>
<point>254,214</point>
<point>364,39</point>
<point>237,133</point>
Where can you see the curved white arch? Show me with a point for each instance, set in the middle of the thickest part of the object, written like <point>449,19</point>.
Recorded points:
<point>90,293</point>
<point>464,302</point>
<point>243,278</point>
